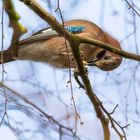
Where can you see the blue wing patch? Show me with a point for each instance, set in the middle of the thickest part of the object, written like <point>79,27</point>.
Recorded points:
<point>75,29</point>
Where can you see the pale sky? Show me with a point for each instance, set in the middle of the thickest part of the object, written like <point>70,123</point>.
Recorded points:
<point>113,19</point>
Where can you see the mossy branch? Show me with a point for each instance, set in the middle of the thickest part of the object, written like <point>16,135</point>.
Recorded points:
<point>18,28</point>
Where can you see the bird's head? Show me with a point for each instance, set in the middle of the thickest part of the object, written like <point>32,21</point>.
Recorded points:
<point>105,60</point>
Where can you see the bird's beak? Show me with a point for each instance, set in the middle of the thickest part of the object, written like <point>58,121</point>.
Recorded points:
<point>92,62</point>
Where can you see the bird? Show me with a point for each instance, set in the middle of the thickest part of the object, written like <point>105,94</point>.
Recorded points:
<point>49,47</point>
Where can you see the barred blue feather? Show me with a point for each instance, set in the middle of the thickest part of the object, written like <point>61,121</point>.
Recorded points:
<point>75,29</point>
<point>50,32</point>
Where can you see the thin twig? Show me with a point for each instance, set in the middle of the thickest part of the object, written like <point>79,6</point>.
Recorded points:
<point>114,109</point>
<point>3,71</point>
<point>70,73</point>
<point>132,7</point>
<point>114,123</point>
<point>38,109</point>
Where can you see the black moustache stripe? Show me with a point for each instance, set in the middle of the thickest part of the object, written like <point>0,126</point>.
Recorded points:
<point>93,61</point>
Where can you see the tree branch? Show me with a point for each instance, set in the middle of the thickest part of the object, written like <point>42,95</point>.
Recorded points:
<point>17,27</point>
<point>109,48</point>
<point>74,43</point>
<point>131,6</point>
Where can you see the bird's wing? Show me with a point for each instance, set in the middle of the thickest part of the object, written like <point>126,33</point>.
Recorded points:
<point>41,35</point>
<point>49,33</point>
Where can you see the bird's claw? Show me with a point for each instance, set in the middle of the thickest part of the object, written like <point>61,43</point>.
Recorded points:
<point>85,63</point>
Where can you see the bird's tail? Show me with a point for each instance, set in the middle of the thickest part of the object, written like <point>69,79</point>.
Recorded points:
<point>6,56</point>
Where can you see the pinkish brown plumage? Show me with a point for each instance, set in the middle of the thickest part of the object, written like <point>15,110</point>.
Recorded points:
<point>53,50</point>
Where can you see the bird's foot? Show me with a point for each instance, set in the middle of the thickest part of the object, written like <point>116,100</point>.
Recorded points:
<point>85,63</point>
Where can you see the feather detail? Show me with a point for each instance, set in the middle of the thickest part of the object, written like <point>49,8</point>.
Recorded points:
<point>48,33</point>
<point>41,35</point>
<point>75,29</point>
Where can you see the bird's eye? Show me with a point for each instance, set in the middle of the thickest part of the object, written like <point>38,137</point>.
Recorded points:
<point>101,54</point>
<point>107,57</point>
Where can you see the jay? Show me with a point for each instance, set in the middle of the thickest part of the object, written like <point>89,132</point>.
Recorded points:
<point>53,50</point>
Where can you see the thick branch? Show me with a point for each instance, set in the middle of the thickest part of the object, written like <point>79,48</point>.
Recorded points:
<point>74,43</point>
